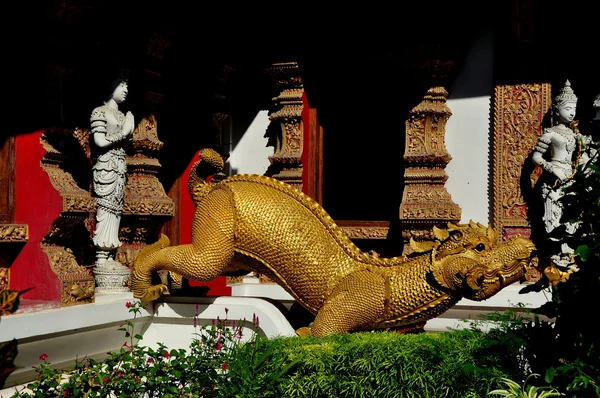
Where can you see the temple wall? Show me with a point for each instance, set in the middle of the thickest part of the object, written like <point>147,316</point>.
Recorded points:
<point>250,153</point>
<point>468,133</point>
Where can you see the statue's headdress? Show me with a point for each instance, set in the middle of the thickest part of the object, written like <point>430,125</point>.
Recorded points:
<point>565,94</point>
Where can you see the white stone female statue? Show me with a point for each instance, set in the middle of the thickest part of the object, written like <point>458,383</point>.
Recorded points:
<point>111,130</point>
<point>559,150</point>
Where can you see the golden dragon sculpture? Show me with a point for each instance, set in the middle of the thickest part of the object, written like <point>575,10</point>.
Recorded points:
<point>256,223</point>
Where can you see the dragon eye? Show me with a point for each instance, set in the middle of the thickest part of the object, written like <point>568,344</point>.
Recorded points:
<point>480,247</point>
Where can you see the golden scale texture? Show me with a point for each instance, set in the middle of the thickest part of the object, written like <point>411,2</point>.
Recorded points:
<point>257,223</point>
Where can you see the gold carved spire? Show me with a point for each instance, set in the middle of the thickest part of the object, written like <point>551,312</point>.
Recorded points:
<point>425,201</point>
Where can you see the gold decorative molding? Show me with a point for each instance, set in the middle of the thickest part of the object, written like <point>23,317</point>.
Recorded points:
<point>288,140</point>
<point>364,229</point>
<point>14,233</point>
<point>518,114</point>
<point>4,278</point>
<point>425,200</point>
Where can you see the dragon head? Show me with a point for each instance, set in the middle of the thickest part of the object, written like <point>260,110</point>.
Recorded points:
<point>468,260</point>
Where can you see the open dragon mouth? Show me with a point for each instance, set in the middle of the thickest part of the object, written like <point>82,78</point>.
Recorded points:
<point>491,280</point>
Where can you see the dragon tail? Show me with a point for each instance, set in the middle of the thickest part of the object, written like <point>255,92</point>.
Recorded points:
<point>210,162</point>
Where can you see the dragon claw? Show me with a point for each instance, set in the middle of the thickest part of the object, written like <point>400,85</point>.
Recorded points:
<point>304,331</point>
<point>152,293</point>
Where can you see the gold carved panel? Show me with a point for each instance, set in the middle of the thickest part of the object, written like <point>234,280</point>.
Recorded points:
<point>518,114</point>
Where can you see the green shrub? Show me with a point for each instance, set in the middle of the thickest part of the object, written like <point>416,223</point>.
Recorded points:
<point>387,364</point>
<point>457,363</point>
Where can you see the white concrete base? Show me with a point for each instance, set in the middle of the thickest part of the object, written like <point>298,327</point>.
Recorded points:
<point>251,287</point>
<point>507,298</point>
<point>67,334</point>
<point>173,321</point>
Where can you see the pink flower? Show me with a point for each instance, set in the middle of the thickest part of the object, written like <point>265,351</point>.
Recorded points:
<point>128,304</point>
<point>224,365</point>
<point>150,360</point>
<point>166,354</point>
<point>105,380</point>
<point>43,357</point>
<point>120,374</point>
<point>218,346</point>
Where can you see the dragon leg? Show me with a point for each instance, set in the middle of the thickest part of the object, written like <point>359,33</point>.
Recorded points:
<point>203,260</point>
<point>356,303</point>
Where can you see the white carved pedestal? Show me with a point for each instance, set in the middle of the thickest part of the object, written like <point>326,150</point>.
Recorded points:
<point>111,280</point>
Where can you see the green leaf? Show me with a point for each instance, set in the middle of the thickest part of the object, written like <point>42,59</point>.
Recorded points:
<point>9,300</point>
<point>584,251</point>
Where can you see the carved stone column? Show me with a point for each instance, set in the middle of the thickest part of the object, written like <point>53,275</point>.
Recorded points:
<point>286,163</point>
<point>67,243</point>
<point>147,206</point>
<point>425,201</point>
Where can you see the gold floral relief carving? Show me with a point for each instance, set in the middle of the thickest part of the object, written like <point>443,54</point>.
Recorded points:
<point>4,278</point>
<point>74,292</point>
<point>145,135</point>
<point>63,181</point>
<point>518,114</point>
<point>144,193</point>
<point>366,232</point>
<point>287,107</point>
<point>14,233</point>
<point>64,264</point>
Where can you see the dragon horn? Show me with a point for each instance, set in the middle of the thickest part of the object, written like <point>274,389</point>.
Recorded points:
<point>452,226</point>
<point>491,233</point>
<point>421,247</point>
<point>440,234</point>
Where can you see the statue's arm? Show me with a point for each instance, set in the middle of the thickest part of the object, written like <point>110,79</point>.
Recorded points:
<point>541,147</point>
<point>102,138</point>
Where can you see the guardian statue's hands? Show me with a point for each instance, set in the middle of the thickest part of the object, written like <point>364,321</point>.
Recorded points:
<point>129,124</point>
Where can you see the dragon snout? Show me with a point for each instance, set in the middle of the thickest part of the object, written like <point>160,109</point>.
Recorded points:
<point>524,244</point>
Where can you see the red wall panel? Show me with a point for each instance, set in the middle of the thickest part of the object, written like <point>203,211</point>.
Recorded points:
<point>38,204</point>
